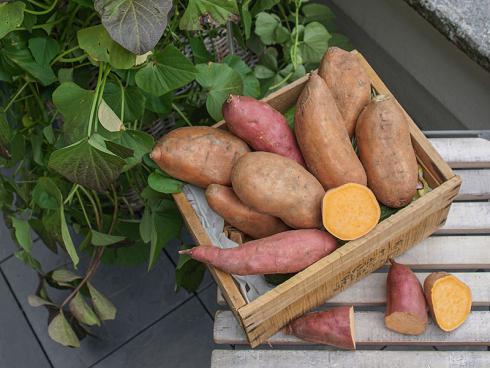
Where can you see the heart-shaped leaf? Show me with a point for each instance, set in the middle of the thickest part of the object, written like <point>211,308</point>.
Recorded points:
<point>103,307</point>
<point>108,118</point>
<point>139,142</point>
<point>218,10</point>
<point>163,183</point>
<point>315,43</point>
<point>22,58</point>
<point>101,240</point>
<point>134,101</point>
<point>44,49</point>
<point>270,30</point>
<point>137,25</point>
<point>251,85</point>
<point>60,331</point>
<point>82,311</point>
<point>11,16</point>
<point>167,225</point>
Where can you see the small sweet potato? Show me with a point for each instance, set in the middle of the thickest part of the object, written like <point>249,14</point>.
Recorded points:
<point>280,187</point>
<point>286,252</point>
<point>348,82</point>
<point>261,126</point>
<point>226,204</point>
<point>331,327</point>
<point>386,151</point>
<point>199,155</point>
<point>406,309</point>
<point>323,138</point>
<point>449,300</point>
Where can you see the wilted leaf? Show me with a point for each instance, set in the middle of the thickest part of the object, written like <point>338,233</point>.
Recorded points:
<point>60,331</point>
<point>163,183</point>
<point>65,276</point>
<point>22,233</point>
<point>82,311</point>
<point>11,16</point>
<point>37,301</point>
<point>103,307</point>
<point>218,10</point>
<point>44,49</point>
<point>28,260</point>
<point>102,240</point>
<point>108,118</point>
<point>67,240</point>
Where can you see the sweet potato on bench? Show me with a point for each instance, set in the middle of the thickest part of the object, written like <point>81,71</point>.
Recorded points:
<point>261,126</point>
<point>449,300</point>
<point>286,252</point>
<point>331,327</point>
<point>406,309</point>
<point>226,204</point>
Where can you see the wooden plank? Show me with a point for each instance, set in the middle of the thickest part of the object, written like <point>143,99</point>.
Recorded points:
<point>464,152</point>
<point>467,218</point>
<point>370,330</point>
<point>348,359</point>
<point>475,185</point>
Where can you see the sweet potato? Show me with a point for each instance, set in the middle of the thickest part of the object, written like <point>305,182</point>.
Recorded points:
<point>348,82</point>
<point>386,151</point>
<point>286,252</point>
<point>261,126</point>
<point>406,309</point>
<point>331,327</point>
<point>449,300</point>
<point>280,187</point>
<point>199,155</point>
<point>350,211</point>
<point>323,139</point>
<point>226,204</point>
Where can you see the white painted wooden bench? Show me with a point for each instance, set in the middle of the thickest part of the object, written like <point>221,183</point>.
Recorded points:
<point>462,246</point>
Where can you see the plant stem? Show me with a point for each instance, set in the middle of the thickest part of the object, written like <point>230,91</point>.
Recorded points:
<point>122,96</point>
<point>83,209</point>
<point>94,102</point>
<point>174,106</point>
<point>283,13</point>
<point>38,101</point>
<point>69,51</point>
<point>15,96</point>
<point>72,60</point>
<point>40,26</point>
<point>116,209</point>
<point>74,188</point>
<point>42,12</point>
<point>92,202</point>
<point>40,5</point>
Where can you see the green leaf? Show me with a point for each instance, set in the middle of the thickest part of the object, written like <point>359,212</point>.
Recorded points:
<point>189,273</point>
<point>24,60</point>
<point>60,331</point>
<point>46,194</point>
<point>270,30</point>
<point>88,163</point>
<point>11,16</point>
<point>44,49</point>
<point>22,233</point>
<point>103,307</point>
<point>170,71</point>
<point>262,5</point>
<point>5,136</point>
<point>246,18</point>
<point>134,101</point>
<point>28,260</point>
<point>135,24</point>
<point>221,81</point>
<point>218,10</point>
<point>289,115</point>
<point>65,276</point>
<point>251,85</point>
<point>340,41</point>
<point>100,46</point>
<point>159,105</point>
<point>67,240</point>
<point>318,13</point>
<point>65,75</point>
<point>139,142</point>
<point>37,301</point>
<point>108,118</point>
<point>167,225</point>
<point>146,225</point>
<point>101,240</point>
<point>199,50</point>
<point>164,184</point>
<point>315,43</point>
<point>74,103</point>
<point>82,311</point>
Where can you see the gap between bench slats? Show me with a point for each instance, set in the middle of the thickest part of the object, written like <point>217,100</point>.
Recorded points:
<point>463,152</point>
<point>475,185</point>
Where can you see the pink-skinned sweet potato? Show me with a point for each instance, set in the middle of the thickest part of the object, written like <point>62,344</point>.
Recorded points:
<point>261,126</point>
<point>406,308</point>
<point>331,327</point>
<point>287,252</point>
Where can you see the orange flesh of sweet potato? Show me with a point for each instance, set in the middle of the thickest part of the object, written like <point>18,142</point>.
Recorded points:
<point>331,327</point>
<point>350,211</point>
<point>406,309</point>
<point>449,300</point>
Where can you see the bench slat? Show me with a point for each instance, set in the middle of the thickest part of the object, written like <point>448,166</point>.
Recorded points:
<point>475,186</point>
<point>348,359</point>
<point>467,218</point>
<point>370,330</point>
<point>463,152</point>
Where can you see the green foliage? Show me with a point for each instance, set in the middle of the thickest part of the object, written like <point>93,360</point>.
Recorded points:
<point>86,87</point>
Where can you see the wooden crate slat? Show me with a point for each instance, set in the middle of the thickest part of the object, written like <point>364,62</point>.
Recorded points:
<point>464,152</point>
<point>370,330</point>
<point>467,218</point>
<point>348,359</point>
<point>475,185</point>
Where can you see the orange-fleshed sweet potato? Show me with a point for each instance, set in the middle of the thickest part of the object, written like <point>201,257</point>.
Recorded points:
<point>331,327</point>
<point>226,204</point>
<point>280,187</point>
<point>348,82</point>
<point>199,155</point>
<point>449,300</point>
<point>350,211</point>
<point>406,309</point>
<point>286,252</point>
<point>261,126</point>
<point>386,151</point>
<point>323,138</point>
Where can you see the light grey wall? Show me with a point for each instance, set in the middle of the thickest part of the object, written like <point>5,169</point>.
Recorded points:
<point>437,83</point>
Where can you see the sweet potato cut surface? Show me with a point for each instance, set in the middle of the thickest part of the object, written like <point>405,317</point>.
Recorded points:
<point>406,309</point>
<point>287,252</point>
<point>226,204</point>
<point>350,211</point>
<point>331,327</point>
<point>348,82</point>
<point>449,300</point>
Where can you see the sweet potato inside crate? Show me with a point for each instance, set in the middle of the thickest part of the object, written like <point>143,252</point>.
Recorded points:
<point>310,288</point>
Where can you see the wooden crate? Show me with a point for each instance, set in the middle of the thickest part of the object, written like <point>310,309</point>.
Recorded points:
<point>310,288</point>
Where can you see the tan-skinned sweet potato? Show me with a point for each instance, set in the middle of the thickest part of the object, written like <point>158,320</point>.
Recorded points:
<point>280,187</point>
<point>449,300</point>
<point>386,151</point>
<point>331,327</point>
<point>348,82</point>
<point>323,138</point>
<point>406,308</point>
<point>286,252</point>
<point>226,204</point>
<point>261,126</point>
<point>199,155</point>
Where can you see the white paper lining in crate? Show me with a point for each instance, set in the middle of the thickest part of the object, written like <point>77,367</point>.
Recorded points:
<point>251,286</point>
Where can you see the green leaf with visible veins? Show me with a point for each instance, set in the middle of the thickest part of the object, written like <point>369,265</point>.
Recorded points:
<point>139,142</point>
<point>11,16</point>
<point>251,85</point>
<point>60,331</point>
<point>219,10</point>
<point>24,60</point>
<point>315,43</point>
